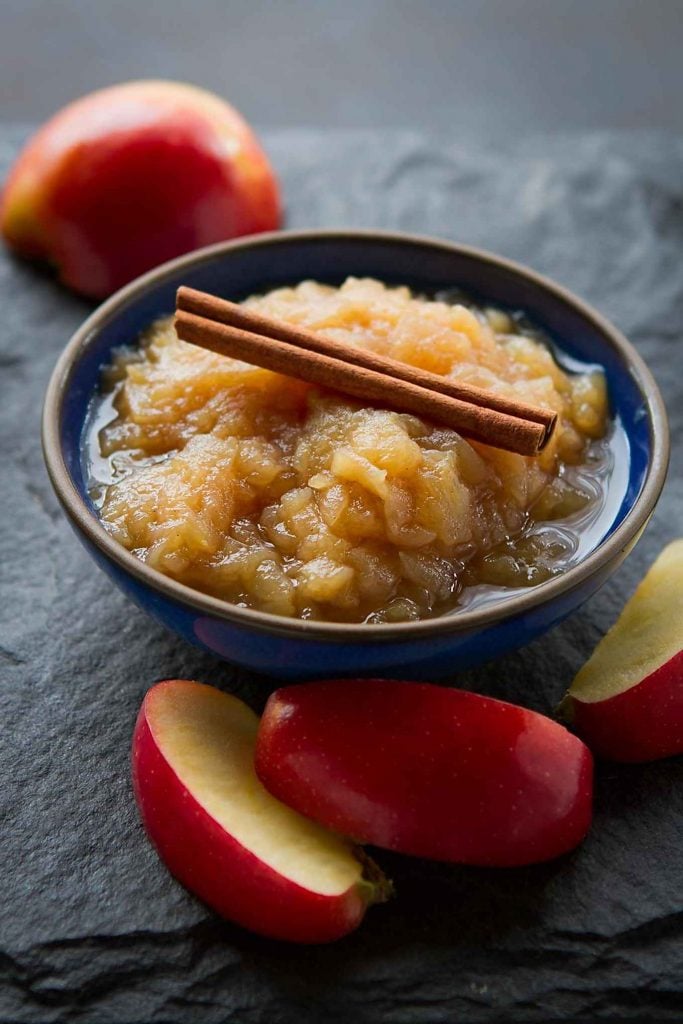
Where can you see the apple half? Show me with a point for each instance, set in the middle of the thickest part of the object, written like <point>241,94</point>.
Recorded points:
<point>627,700</point>
<point>251,858</point>
<point>426,770</point>
<point>130,176</point>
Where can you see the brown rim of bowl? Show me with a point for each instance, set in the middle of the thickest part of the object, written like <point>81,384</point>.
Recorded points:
<point>454,622</point>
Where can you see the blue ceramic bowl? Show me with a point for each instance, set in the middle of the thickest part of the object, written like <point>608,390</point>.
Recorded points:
<point>298,649</point>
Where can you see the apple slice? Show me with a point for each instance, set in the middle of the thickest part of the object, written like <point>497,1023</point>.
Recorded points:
<point>426,770</point>
<point>627,700</point>
<point>223,836</point>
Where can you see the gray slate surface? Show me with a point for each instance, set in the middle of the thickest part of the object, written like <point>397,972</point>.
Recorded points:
<point>92,927</point>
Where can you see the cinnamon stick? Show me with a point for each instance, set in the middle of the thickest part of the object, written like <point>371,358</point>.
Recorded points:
<point>232,330</point>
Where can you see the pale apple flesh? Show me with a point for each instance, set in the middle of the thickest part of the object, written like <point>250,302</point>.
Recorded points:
<point>251,858</point>
<point>130,176</point>
<point>627,700</point>
<point>427,771</point>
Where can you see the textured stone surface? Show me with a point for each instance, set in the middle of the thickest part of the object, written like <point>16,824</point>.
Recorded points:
<point>91,926</point>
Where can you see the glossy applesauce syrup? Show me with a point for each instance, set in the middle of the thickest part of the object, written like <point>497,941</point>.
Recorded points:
<point>273,494</point>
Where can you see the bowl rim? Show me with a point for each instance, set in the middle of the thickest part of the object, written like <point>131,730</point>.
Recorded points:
<point>458,622</point>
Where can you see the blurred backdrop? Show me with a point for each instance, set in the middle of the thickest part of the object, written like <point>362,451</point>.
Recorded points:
<point>481,67</point>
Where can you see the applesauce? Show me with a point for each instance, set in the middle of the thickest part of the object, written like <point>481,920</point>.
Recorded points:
<point>274,494</point>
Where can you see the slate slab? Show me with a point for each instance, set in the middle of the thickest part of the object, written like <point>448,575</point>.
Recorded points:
<point>91,927</point>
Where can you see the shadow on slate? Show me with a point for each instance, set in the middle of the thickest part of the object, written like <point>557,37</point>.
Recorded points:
<point>92,927</point>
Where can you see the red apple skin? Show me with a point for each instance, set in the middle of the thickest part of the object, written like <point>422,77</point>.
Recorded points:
<point>131,176</point>
<point>219,870</point>
<point>426,770</point>
<point>643,723</point>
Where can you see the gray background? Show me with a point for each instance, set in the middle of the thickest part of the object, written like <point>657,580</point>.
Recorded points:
<point>484,67</point>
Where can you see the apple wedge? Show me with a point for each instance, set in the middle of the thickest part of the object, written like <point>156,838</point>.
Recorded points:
<point>426,770</point>
<point>253,860</point>
<point>627,700</point>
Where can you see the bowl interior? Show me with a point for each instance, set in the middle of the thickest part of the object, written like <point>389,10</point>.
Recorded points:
<point>265,262</point>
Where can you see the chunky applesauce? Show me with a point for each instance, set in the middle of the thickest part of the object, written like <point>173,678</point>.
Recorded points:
<point>273,494</point>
